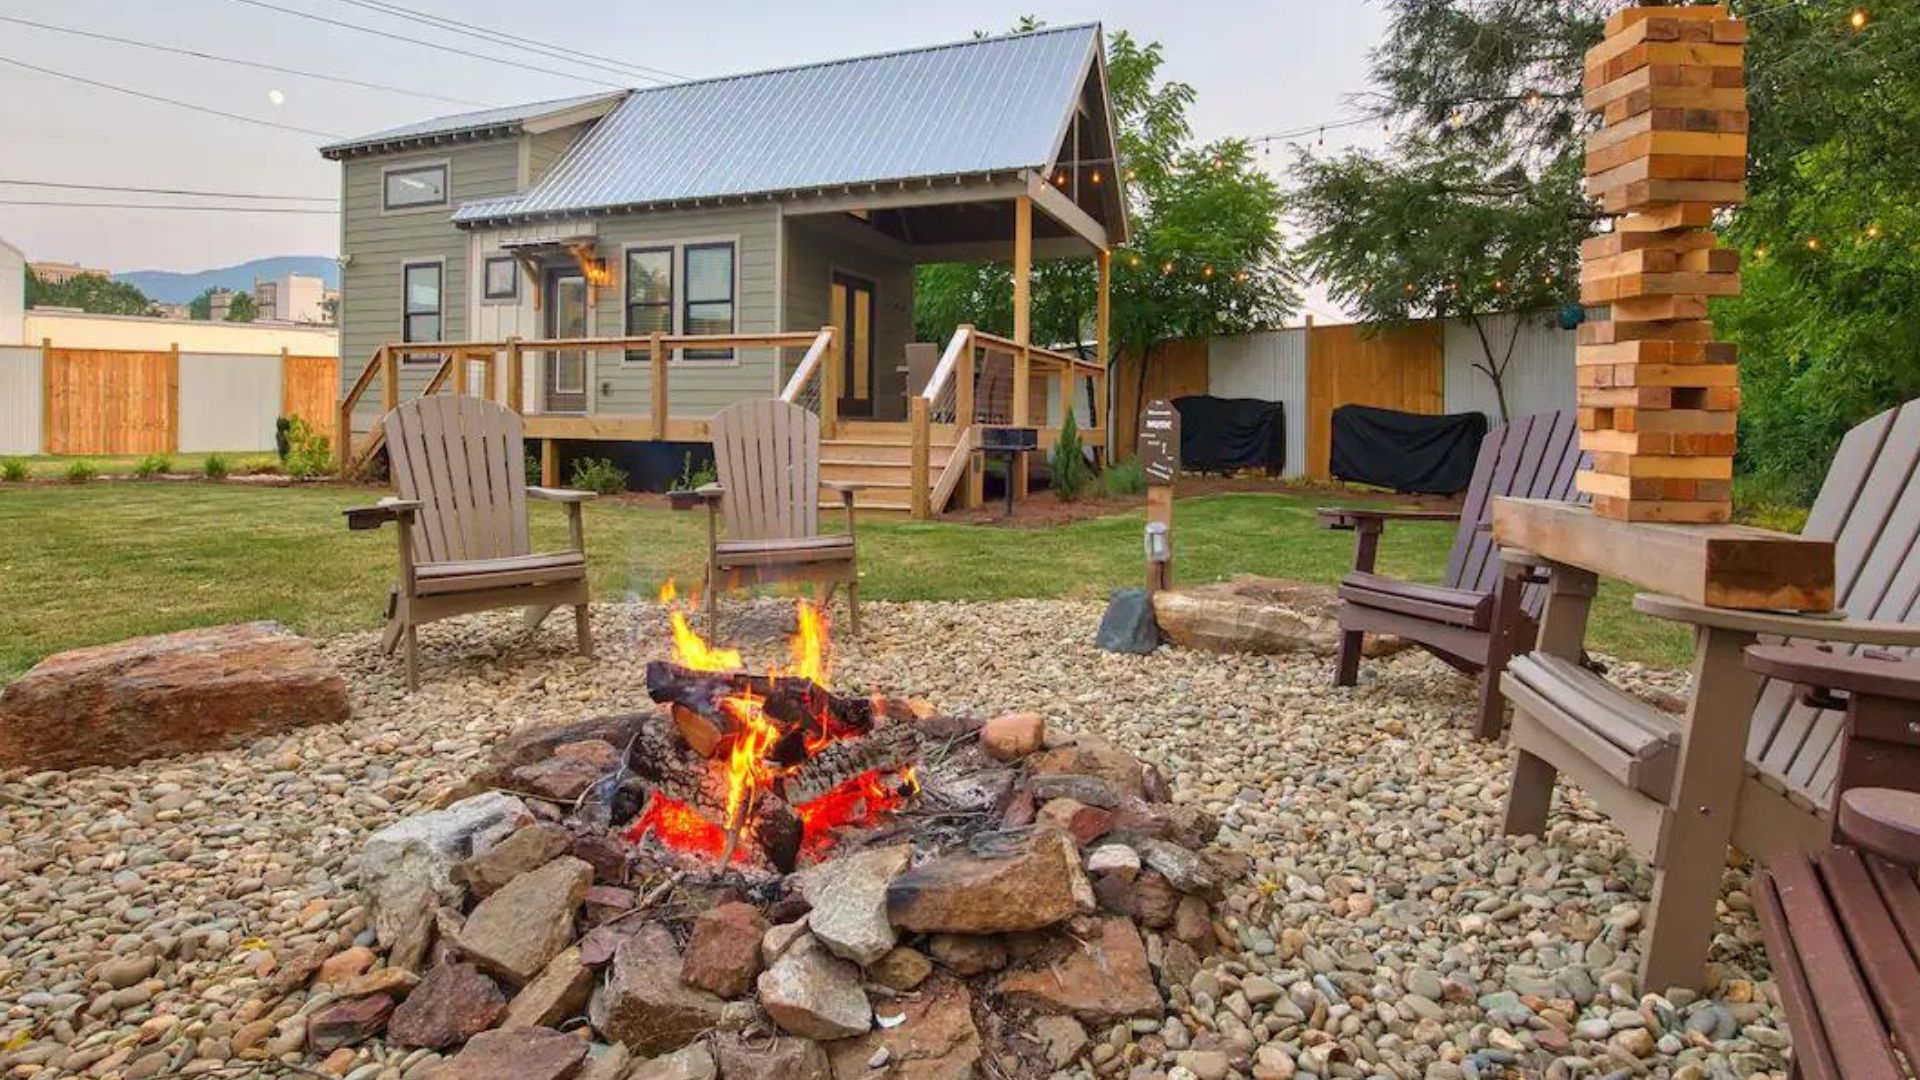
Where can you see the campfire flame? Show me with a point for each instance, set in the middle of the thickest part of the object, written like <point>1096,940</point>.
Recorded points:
<point>747,761</point>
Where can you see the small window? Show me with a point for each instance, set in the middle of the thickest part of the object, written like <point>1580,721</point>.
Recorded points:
<point>709,296</point>
<point>649,294</point>
<point>408,189</point>
<point>502,277</point>
<point>420,299</point>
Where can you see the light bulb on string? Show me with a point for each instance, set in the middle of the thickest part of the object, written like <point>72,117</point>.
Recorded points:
<point>1760,252</point>
<point>1094,177</point>
<point>1873,232</point>
<point>1858,20</point>
<point>1166,268</point>
<point>1813,243</point>
<point>1207,272</point>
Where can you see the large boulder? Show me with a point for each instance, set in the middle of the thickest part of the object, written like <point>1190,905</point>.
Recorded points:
<point>643,1004</point>
<point>197,690</point>
<point>516,931</point>
<point>410,864</point>
<point>1102,981</point>
<point>1250,614</point>
<point>849,898</point>
<point>961,893</point>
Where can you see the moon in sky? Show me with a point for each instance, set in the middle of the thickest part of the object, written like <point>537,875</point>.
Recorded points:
<point>276,97</point>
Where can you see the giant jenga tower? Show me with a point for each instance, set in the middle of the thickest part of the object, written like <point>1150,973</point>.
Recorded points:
<point>1657,394</point>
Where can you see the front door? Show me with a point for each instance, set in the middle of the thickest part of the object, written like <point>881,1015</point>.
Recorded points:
<point>853,343</point>
<point>569,300</point>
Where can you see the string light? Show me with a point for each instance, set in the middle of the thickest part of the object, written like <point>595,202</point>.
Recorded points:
<point>1166,268</point>
<point>1095,176</point>
<point>1760,252</point>
<point>1060,178</point>
<point>1131,174</point>
<point>1207,273</point>
<point>1858,20</point>
<point>1813,243</point>
<point>1533,98</point>
<point>1873,232</point>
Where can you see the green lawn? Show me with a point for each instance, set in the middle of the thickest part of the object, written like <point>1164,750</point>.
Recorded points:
<point>94,563</point>
<point>239,463</point>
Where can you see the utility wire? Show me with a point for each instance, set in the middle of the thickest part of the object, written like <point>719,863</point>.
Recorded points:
<point>165,100</point>
<point>442,47</point>
<point>196,54</point>
<point>497,37</point>
<point>194,192</point>
<point>166,206</point>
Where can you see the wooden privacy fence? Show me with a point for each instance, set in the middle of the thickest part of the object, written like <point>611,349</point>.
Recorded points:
<point>121,401</point>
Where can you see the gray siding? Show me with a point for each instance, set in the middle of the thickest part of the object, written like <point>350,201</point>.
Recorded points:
<point>547,147</point>
<point>1540,375</point>
<point>698,388</point>
<point>816,249</point>
<point>1270,366</point>
<point>381,243</point>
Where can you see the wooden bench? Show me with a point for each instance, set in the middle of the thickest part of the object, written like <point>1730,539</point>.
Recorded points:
<point>1843,926</point>
<point>1465,621</point>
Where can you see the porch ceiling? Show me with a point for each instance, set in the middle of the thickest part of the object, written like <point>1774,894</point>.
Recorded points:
<point>967,223</point>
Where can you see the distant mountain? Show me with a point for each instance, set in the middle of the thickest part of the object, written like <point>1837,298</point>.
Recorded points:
<point>179,287</point>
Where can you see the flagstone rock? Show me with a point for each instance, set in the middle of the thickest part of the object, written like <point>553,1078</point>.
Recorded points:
<point>968,894</point>
<point>687,1063</point>
<point>417,855</point>
<point>348,1024</point>
<point>814,994</point>
<point>901,969</point>
<point>559,992</point>
<point>849,898</point>
<point>1106,980</point>
<point>934,1038</point>
<point>643,1003</point>
<point>1090,755</point>
<point>521,1054</point>
<point>968,954</point>
<point>780,1058</point>
<point>170,694</point>
<point>723,956</point>
<point>453,1003</point>
<point>516,931</point>
<point>527,848</point>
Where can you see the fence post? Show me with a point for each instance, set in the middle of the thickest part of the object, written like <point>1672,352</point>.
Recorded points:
<point>922,450</point>
<point>46,395</point>
<point>657,349</point>
<point>173,400</point>
<point>389,379</point>
<point>516,376</point>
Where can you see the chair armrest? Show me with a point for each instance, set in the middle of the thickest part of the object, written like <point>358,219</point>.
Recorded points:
<point>710,492</point>
<point>560,495</point>
<point>372,517</point>
<point>1873,672</point>
<point>1817,627</point>
<point>844,487</point>
<point>1350,517</point>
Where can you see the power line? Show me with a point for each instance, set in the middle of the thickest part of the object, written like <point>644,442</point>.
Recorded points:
<point>166,206</point>
<point>196,54</point>
<point>194,192</point>
<point>428,44</point>
<point>497,37</point>
<point>177,103</point>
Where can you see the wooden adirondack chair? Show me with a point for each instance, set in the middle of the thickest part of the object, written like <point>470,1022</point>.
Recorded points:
<point>460,466</point>
<point>1462,621</point>
<point>1677,786</point>
<point>766,454</point>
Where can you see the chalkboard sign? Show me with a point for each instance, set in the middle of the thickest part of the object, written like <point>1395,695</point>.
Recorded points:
<point>1160,442</point>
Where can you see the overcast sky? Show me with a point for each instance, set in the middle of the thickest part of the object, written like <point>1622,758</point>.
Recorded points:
<point>1258,65</point>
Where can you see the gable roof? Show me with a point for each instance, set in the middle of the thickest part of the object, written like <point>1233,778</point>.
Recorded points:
<point>963,109</point>
<point>508,120</point>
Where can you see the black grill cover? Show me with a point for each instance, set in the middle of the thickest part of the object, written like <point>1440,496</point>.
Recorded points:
<point>1224,434</point>
<point>1408,452</point>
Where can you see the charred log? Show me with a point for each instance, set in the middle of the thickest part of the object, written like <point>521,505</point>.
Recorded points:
<point>778,831</point>
<point>889,749</point>
<point>796,705</point>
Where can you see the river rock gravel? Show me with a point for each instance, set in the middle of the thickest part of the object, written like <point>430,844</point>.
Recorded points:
<point>161,919</point>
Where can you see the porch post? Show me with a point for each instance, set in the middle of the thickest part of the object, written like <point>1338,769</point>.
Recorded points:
<point>389,379</point>
<point>657,350</point>
<point>516,378</point>
<point>1102,329</point>
<point>1022,333</point>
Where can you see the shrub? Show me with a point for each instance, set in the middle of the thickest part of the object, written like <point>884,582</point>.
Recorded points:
<point>304,452</point>
<point>82,471</point>
<point>532,467</point>
<point>1123,478</point>
<point>599,475</point>
<point>1067,463</point>
<point>215,467</point>
<point>692,479</point>
<point>13,469</point>
<point>153,465</point>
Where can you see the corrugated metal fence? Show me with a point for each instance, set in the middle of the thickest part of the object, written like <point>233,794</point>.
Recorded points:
<point>118,401</point>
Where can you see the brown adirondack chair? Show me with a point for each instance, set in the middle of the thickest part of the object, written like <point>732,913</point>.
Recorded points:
<point>766,455</point>
<point>460,466</point>
<point>1678,786</point>
<point>1462,621</point>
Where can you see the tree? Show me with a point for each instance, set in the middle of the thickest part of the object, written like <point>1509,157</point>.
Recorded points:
<point>92,293</point>
<point>1205,255</point>
<point>242,308</point>
<point>201,307</point>
<point>1475,208</point>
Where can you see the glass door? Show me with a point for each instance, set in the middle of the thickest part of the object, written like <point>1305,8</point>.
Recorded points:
<point>852,309</point>
<point>569,302</point>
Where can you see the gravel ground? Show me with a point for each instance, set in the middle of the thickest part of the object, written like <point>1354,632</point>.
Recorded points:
<point>1387,928</point>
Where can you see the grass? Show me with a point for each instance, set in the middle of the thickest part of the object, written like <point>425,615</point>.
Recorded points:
<point>54,467</point>
<point>95,563</point>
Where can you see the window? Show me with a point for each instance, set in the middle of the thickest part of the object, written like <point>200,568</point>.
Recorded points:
<point>649,294</point>
<point>416,187</point>
<point>502,278</point>
<point>708,273</point>
<point>420,304</point>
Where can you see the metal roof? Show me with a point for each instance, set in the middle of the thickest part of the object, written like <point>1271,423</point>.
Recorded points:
<point>971,107</point>
<point>508,117</point>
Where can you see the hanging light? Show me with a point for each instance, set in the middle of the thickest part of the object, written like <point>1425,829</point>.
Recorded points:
<point>1873,232</point>
<point>1060,178</point>
<point>1813,243</point>
<point>1760,252</point>
<point>1207,272</point>
<point>1166,267</point>
<point>1858,20</point>
<point>1094,176</point>
<point>1240,276</point>
<point>1533,98</point>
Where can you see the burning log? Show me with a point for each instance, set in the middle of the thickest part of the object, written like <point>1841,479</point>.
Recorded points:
<point>889,749</point>
<point>802,708</point>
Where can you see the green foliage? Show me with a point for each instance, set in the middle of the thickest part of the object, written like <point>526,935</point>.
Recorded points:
<point>306,453</point>
<point>215,467</point>
<point>1122,478</point>
<point>88,292</point>
<point>153,465</point>
<point>692,479</point>
<point>599,475</point>
<point>13,470</point>
<point>1205,255</point>
<point>531,466</point>
<point>242,308</point>
<point>1067,464</point>
<point>82,471</point>
<point>201,307</point>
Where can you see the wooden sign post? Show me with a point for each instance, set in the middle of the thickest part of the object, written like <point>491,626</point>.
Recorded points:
<point>1657,395</point>
<point>1159,450</point>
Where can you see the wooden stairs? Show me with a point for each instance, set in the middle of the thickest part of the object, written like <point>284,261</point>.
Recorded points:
<point>880,455</point>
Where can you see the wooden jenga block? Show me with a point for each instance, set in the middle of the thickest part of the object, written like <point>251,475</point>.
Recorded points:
<point>1608,331</point>
<point>1645,194</point>
<point>1644,445</point>
<point>1612,65</point>
<point>1614,244</point>
<point>1671,375</point>
<point>1610,288</point>
<point>1702,167</point>
<point>1659,308</point>
<point>1662,260</point>
<point>1664,218</point>
<point>1624,397</point>
<point>1625,19</point>
<point>1685,513</point>
<point>1654,487</point>
<point>1663,466</point>
<point>1657,352</point>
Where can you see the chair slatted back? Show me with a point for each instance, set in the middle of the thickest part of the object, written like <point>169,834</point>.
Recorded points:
<point>1534,457</point>
<point>1869,506</point>
<point>766,454</point>
<point>464,460</point>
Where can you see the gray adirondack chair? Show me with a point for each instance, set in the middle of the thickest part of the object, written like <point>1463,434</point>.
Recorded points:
<point>1677,786</point>
<point>459,464</point>
<point>1466,620</point>
<point>766,456</point>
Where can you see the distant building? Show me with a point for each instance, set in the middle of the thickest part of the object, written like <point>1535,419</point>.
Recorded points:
<point>58,273</point>
<point>293,298</point>
<point>219,304</point>
<point>173,311</point>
